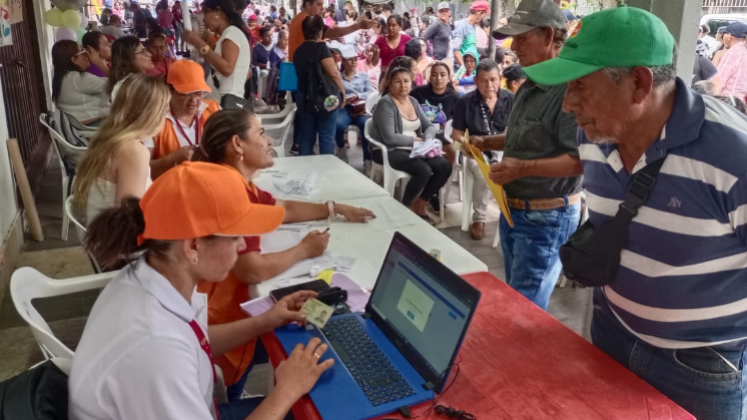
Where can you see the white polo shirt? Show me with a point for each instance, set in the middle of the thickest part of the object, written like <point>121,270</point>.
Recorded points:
<point>139,358</point>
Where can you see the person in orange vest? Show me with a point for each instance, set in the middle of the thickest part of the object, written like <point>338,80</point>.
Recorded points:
<point>182,130</point>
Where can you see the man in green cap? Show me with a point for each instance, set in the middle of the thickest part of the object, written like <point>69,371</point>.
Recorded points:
<point>675,310</point>
<point>540,170</point>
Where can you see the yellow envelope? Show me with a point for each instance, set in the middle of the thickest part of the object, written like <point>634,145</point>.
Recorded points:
<point>500,195</point>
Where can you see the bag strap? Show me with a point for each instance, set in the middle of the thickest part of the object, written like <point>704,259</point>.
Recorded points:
<point>639,191</point>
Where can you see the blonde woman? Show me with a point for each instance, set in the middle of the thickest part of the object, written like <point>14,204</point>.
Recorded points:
<point>116,164</point>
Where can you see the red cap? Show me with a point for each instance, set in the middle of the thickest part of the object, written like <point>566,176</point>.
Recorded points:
<point>253,17</point>
<point>480,6</point>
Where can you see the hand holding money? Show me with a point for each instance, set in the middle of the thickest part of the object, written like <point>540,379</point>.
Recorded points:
<point>287,310</point>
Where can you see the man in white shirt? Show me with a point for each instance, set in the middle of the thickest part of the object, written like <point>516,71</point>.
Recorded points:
<point>114,28</point>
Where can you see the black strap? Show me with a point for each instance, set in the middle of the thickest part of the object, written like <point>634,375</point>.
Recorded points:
<point>638,192</point>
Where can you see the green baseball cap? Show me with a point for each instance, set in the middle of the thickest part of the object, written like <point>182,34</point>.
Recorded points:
<point>620,37</point>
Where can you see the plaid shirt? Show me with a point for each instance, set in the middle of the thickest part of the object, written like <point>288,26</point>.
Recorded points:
<point>733,71</point>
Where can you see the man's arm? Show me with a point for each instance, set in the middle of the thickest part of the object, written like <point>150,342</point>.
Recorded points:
<point>510,169</point>
<point>339,32</point>
<point>458,41</point>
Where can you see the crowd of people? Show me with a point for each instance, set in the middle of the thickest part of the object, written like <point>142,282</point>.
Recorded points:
<point>166,187</point>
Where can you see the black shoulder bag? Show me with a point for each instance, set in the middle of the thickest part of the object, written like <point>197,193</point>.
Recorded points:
<point>591,257</point>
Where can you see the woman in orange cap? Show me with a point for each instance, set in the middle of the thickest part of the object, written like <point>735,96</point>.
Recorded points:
<point>147,349</point>
<point>235,138</point>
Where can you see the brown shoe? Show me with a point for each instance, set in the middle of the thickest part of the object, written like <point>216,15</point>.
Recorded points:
<point>477,230</point>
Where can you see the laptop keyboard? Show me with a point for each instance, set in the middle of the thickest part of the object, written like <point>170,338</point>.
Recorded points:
<point>373,371</point>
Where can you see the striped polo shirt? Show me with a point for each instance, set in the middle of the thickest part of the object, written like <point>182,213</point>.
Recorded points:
<point>682,281</point>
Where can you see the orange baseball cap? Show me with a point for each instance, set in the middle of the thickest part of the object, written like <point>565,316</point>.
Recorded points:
<point>197,199</point>
<point>187,76</point>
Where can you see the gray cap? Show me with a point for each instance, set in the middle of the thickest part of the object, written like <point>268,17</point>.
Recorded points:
<point>443,5</point>
<point>531,14</point>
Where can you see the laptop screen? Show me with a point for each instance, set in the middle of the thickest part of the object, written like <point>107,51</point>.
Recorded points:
<point>424,307</point>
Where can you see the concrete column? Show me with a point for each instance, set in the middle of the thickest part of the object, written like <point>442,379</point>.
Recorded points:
<point>681,17</point>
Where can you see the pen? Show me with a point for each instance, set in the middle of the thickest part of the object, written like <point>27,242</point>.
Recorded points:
<point>326,230</point>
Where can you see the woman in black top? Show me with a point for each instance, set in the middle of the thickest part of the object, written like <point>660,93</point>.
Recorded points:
<point>309,123</point>
<point>438,99</point>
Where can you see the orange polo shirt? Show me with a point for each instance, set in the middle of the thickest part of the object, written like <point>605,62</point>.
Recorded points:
<point>225,298</point>
<point>168,141</point>
<point>295,34</point>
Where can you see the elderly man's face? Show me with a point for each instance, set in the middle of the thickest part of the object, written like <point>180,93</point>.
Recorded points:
<point>602,107</point>
<point>532,47</point>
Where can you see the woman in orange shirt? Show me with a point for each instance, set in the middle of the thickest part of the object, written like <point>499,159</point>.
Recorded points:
<point>235,137</point>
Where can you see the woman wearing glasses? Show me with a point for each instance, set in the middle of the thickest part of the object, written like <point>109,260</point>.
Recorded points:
<point>185,122</point>
<point>74,91</point>
<point>129,56</point>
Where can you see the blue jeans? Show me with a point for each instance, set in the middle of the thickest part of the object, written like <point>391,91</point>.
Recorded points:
<point>344,119</point>
<point>309,124</point>
<point>530,249</point>
<point>233,392</point>
<point>697,379</point>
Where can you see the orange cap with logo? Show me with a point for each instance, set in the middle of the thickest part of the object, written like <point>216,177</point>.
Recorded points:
<point>197,199</point>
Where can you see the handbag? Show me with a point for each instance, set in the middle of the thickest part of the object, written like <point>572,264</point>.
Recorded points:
<point>288,78</point>
<point>358,107</point>
<point>322,95</point>
<point>591,257</point>
<point>229,101</point>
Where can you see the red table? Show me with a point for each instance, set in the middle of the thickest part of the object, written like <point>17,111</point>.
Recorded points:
<point>518,362</point>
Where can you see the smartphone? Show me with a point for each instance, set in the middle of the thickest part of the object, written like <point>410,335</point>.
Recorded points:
<point>314,285</point>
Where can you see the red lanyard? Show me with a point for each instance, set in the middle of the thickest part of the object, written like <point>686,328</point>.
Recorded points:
<point>197,131</point>
<point>206,348</point>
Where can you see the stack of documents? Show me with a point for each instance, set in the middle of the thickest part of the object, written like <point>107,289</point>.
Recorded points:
<point>422,148</point>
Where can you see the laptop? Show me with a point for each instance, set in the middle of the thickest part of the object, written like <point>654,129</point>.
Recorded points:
<point>399,352</point>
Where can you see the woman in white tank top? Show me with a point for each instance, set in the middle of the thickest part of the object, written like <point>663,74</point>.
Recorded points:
<point>117,164</point>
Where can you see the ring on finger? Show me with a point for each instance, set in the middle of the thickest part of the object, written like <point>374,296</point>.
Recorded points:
<point>317,355</point>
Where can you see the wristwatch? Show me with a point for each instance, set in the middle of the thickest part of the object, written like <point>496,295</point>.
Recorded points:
<point>331,209</point>
<point>205,49</point>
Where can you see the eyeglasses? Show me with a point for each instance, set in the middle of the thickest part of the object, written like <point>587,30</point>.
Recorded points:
<point>79,53</point>
<point>194,95</point>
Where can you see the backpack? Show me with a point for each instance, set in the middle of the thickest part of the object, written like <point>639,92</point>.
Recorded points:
<point>271,93</point>
<point>39,393</point>
<point>322,96</point>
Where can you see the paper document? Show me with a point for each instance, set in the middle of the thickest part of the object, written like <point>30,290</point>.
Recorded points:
<point>422,148</point>
<point>500,195</point>
<point>299,185</point>
<point>389,216</point>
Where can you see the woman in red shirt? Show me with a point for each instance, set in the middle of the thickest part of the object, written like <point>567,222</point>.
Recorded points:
<point>393,43</point>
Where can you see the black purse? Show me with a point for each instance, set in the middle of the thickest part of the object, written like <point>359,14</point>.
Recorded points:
<point>591,257</point>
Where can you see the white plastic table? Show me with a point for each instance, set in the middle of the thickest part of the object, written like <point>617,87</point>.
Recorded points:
<point>335,179</point>
<point>368,242</point>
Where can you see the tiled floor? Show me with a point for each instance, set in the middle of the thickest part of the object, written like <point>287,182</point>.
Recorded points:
<point>66,315</point>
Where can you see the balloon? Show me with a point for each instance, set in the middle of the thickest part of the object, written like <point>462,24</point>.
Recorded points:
<point>83,20</point>
<point>71,19</point>
<point>66,34</point>
<point>68,4</point>
<point>54,17</point>
<point>79,32</point>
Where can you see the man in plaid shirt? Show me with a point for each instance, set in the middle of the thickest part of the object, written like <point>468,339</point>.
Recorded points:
<point>733,67</point>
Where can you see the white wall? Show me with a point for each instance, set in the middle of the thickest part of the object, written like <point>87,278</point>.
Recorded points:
<point>8,206</point>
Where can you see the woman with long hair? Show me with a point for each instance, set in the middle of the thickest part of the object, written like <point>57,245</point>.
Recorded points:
<point>400,124</point>
<point>98,49</point>
<point>393,43</point>
<point>231,58</point>
<point>75,91</point>
<point>438,99</point>
<point>399,62</point>
<point>147,349</point>
<point>309,123</point>
<point>235,138</point>
<point>371,65</point>
<point>116,164</point>
<point>129,56</point>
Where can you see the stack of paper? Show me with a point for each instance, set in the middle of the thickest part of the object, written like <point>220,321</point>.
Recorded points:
<point>422,148</point>
<point>297,185</point>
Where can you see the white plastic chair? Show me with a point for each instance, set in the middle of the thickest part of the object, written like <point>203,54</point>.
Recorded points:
<point>69,156</point>
<point>371,101</point>
<point>289,107</point>
<point>458,167</point>
<point>284,128</point>
<point>392,176</point>
<point>27,284</point>
<point>80,229</point>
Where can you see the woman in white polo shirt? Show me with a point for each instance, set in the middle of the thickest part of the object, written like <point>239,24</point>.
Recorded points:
<point>144,353</point>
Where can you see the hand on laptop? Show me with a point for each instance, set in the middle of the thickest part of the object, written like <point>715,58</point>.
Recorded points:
<point>298,374</point>
<point>286,310</point>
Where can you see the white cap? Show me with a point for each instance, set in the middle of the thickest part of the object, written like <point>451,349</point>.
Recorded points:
<point>444,5</point>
